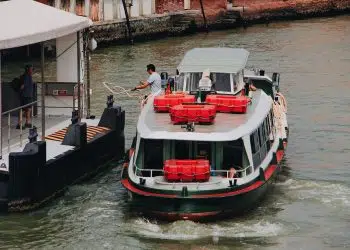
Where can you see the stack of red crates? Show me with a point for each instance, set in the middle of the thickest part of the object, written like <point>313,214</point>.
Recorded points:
<point>163,103</point>
<point>229,104</point>
<point>198,113</point>
<point>187,170</point>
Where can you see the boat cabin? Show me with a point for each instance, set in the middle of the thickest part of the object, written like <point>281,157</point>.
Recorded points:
<point>225,67</point>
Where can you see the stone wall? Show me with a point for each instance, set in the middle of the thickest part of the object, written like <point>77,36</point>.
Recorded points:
<point>160,25</point>
<point>255,10</point>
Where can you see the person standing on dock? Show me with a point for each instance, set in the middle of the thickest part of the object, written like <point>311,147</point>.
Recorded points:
<point>26,96</point>
<point>154,81</point>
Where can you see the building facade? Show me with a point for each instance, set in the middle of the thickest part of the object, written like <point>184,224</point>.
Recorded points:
<point>105,10</point>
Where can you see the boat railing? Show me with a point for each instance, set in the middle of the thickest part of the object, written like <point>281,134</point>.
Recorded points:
<point>19,111</point>
<point>236,173</point>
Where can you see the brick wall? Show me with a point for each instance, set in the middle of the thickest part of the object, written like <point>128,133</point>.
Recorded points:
<point>163,6</point>
<point>211,7</point>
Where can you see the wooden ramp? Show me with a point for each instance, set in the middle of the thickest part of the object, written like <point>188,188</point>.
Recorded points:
<point>91,132</point>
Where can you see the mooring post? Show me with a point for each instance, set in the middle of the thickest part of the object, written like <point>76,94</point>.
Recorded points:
<point>128,22</point>
<point>204,18</point>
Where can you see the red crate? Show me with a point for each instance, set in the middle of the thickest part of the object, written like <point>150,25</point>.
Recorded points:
<point>202,172</point>
<point>229,104</point>
<point>185,113</point>
<point>163,103</point>
<point>171,172</point>
<point>187,170</point>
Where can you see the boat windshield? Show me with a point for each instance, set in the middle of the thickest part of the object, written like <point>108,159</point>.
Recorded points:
<point>221,81</point>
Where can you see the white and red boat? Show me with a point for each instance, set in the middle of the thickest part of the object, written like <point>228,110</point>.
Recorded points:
<point>214,146</point>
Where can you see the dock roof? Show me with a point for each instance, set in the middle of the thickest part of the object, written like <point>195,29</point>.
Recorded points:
<point>24,22</point>
<point>220,60</point>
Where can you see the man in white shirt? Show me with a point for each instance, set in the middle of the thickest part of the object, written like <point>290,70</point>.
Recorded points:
<point>154,81</point>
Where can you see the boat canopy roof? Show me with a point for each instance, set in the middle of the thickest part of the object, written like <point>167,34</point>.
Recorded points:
<point>227,127</point>
<point>219,60</point>
<point>27,22</point>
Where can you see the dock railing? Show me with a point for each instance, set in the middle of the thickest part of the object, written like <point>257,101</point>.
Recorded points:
<point>238,173</point>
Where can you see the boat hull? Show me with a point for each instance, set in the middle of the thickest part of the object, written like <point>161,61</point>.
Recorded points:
<point>198,209</point>
<point>230,202</point>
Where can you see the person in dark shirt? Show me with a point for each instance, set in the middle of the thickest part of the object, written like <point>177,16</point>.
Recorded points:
<point>26,95</point>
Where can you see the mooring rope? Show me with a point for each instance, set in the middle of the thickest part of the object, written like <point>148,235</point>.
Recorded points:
<point>122,91</point>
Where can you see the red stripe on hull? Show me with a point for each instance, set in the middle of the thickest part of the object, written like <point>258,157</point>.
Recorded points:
<point>269,172</point>
<point>279,155</point>
<point>131,188</point>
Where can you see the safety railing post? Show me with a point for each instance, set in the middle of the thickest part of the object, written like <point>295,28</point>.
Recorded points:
<point>8,132</point>
<point>20,126</point>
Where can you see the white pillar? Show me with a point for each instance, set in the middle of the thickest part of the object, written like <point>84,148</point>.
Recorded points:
<point>101,10</point>
<point>72,6</point>
<point>187,4</point>
<point>87,8</point>
<point>116,13</point>
<point>67,68</point>
<point>58,4</point>
<point>108,10</point>
<point>153,6</point>
<point>141,8</point>
<point>147,7</point>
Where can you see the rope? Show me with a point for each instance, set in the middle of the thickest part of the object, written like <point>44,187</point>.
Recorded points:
<point>123,91</point>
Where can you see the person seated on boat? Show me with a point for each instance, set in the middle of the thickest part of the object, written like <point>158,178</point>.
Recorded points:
<point>154,81</point>
<point>205,84</point>
<point>249,86</point>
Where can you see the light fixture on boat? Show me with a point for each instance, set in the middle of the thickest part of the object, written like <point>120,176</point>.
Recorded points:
<point>190,127</point>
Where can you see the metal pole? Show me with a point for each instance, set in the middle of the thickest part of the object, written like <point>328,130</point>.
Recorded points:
<point>128,22</point>
<point>88,104</point>
<point>78,73</point>
<point>204,18</point>
<point>0,111</point>
<point>42,92</point>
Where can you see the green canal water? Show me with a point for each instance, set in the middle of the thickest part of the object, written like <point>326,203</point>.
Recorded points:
<point>309,207</point>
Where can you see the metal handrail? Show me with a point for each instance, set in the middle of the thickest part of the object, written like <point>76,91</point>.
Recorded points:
<point>20,107</point>
<point>245,170</point>
<point>8,112</point>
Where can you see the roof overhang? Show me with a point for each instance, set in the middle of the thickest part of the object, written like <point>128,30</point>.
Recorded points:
<point>24,22</point>
<point>219,60</point>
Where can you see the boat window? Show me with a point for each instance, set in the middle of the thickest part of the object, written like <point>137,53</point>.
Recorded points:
<point>221,82</point>
<point>192,81</point>
<point>153,154</point>
<point>182,150</point>
<point>203,151</point>
<point>233,154</point>
<point>180,80</point>
<point>252,144</point>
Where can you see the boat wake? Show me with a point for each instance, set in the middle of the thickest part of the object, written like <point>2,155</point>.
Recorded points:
<point>188,230</point>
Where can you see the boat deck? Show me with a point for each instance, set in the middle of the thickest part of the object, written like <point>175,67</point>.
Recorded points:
<point>154,125</point>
